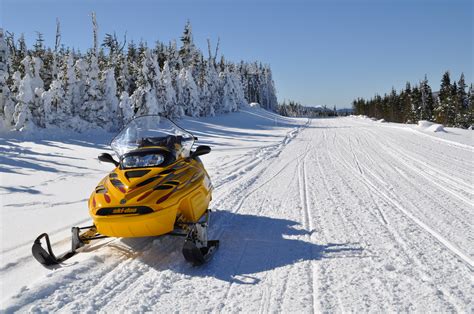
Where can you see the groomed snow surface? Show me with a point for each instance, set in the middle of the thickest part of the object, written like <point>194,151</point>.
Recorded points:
<point>335,215</point>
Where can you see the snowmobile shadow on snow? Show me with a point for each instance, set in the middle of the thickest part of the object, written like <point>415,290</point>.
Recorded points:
<point>252,244</point>
<point>249,245</point>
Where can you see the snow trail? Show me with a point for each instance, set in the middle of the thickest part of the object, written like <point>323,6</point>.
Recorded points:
<point>331,215</point>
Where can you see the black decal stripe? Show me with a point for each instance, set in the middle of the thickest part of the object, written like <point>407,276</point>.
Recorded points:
<point>167,171</point>
<point>172,182</point>
<point>109,211</point>
<point>149,180</point>
<point>163,187</point>
<point>136,173</point>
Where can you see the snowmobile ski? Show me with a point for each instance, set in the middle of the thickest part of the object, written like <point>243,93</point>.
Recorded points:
<point>48,258</point>
<point>198,256</point>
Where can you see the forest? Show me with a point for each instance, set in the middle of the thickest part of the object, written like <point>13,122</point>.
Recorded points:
<point>115,80</point>
<point>451,106</point>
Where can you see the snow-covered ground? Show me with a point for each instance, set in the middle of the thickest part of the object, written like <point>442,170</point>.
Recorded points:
<point>344,214</point>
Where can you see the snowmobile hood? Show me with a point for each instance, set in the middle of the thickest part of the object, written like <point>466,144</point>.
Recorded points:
<point>155,187</point>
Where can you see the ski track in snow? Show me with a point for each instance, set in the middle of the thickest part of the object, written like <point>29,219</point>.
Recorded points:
<point>338,215</point>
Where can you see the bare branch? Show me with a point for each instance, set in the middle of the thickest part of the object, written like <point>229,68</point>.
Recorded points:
<point>58,36</point>
<point>95,30</point>
<point>217,48</point>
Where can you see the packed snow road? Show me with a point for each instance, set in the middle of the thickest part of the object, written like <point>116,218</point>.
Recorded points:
<point>328,215</point>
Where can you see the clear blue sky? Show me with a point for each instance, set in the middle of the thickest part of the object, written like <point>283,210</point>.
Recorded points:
<point>321,52</point>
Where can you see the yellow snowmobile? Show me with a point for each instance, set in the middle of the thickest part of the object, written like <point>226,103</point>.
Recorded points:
<point>159,186</point>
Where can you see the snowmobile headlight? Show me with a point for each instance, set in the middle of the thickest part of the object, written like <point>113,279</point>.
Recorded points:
<point>140,161</point>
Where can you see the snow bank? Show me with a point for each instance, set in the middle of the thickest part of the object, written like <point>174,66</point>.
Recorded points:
<point>424,124</point>
<point>430,126</point>
<point>381,121</point>
<point>254,105</point>
<point>436,128</point>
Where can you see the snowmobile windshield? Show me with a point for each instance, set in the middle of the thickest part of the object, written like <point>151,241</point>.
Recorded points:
<point>152,131</point>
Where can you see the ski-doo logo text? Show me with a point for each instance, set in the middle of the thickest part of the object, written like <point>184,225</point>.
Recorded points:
<point>124,211</point>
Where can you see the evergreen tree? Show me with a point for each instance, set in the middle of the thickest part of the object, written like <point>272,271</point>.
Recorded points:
<point>110,108</point>
<point>214,86</point>
<point>71,88</point>
<point>126,108</point>
<point>7,106</point>
<point>229,97</point>
<point>93,98</point>
<point>470,107</point>
<point>22,116</point>
<point>407,104</point>
<point>168,94</point>
<point>461,103</point>
<point>188,52</point>
<point>190,95</point>
<point>427,102</point>
<point>205,92</point>
<point>444,110</point>
<point>145,96</point>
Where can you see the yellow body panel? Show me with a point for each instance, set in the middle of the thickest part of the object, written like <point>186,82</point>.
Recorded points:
<point>132,203</point>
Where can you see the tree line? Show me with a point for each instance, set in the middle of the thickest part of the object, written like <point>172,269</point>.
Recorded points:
<point>113,81</point>
<point>451,106</point>
<point>295,109</point>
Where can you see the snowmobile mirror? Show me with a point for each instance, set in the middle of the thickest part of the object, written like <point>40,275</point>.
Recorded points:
<point>105,157</point>
<point>201,150</point>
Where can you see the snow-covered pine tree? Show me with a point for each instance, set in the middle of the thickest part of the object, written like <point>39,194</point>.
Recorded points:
<point>214,85</point>
<point>37,85</point>
<point>71,88</point>
<point>7,106</point>
<point>124,80</point>
<point>270,89</point>
<point>229,98</point>
<point>126,108</point>
<point>174,59</point>
<point>205,96</point>
<point>93,97</point>
<point>238,91</point>
<point>167,94</point>
<point>22,116</point>
<point>189,93</point>
<point>18,54</point>
<point>144,98</point>
<point>53,104</point>
<point>132,66</point>
<point>188,52</point>
<point>46,57</point>
<point>93,104</point>
<point>110,109</point>
<point>161,52</point>
<point>80,69</point>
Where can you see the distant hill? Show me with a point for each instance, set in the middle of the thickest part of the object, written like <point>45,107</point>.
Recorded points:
<point>345,111</point>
